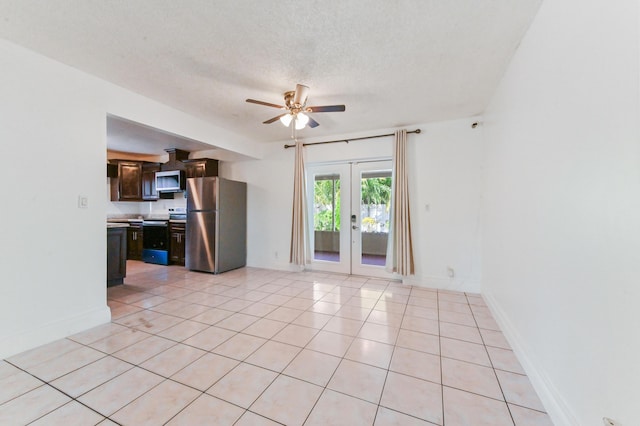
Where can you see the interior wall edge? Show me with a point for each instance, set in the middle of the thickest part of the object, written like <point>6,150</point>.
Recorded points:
<point>34,337</point>
<point>551,398</point>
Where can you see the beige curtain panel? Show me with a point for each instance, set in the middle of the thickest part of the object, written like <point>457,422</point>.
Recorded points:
<point>400,248</point>
<point>300,247</point>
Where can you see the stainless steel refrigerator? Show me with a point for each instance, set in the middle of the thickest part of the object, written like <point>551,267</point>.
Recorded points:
<point>216,235</point>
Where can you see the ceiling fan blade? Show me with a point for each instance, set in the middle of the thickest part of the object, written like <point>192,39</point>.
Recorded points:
<point>326,108</point>
<point>300,97</point>
<point>253,101</point>
<point>312,123</point>
<point>274,119</point>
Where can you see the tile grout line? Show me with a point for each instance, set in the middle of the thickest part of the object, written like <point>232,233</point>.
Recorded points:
<point>440,354</point>
<point>386,376</point>
<point>237,288</point>
<point>492,366</point>
<point>342,358</point>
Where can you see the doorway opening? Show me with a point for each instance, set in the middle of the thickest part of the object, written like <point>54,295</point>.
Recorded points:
<point>349,211</point>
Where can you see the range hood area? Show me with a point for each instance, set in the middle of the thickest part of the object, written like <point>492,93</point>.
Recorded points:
<point>171,177</point>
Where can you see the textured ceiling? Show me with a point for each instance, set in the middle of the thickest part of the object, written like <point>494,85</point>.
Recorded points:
<point>391,62</point>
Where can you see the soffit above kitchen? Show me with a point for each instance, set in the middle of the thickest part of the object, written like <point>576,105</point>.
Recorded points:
<point>128,137</point>
<point>392,63</point>
<point>122,134</point>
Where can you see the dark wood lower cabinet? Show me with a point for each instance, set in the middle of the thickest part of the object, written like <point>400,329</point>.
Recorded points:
<point>116,255</point>
<point>177,243</point>
<point>134,241</point>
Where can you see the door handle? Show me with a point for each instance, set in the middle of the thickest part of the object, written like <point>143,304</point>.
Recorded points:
<point>355,227</point>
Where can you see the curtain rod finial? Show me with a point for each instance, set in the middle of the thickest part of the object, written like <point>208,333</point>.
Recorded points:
<point>418,130</point>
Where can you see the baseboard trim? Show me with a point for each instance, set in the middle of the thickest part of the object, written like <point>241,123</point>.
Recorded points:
<point>54,330</point>
<point>554,403</point>
<point>442,283</point>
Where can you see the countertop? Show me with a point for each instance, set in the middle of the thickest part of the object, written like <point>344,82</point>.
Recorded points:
<point>117,225</point>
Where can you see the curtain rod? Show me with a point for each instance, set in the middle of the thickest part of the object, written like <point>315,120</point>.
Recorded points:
<point>349,139</point>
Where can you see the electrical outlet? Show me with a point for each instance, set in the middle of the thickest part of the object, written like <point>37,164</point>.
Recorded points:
<point>83,202</point>
<point>275,254</point>
<point>451,272</point>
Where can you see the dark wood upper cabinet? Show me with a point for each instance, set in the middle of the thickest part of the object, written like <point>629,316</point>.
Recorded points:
<point>136,180</point>
<point>112,170</point>
<point>149,192</point>
<point>201,167</point>
<point>128,185</point>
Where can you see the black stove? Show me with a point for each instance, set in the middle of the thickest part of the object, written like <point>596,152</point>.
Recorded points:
<point>155,241</point>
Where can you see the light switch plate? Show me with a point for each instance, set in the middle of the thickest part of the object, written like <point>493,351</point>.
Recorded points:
<point>83,202</point>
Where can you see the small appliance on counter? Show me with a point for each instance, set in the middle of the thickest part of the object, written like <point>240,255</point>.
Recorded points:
<point>216,239</point>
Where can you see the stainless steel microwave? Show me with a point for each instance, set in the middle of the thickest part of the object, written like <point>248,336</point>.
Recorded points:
<point>170,181</point>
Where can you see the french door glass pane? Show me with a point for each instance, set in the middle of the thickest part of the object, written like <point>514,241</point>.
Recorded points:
<point>326,218</point>
<point>375,199</point>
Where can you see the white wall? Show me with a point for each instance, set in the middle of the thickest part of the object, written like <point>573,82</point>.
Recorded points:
<point>445,164</point>
<point>52,254</point>
<point>446,174</point>
<point>561,227</point>
<point>53,136</point>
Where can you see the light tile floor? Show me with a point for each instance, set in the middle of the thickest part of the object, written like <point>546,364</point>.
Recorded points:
<point>262,347</point>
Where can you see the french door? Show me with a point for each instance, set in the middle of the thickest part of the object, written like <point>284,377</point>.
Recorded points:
<point>348,207</point>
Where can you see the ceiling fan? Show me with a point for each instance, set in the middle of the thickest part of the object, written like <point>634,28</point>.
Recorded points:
<point>295,104</point>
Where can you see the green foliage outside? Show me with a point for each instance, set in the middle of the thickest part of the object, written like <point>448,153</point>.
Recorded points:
<point>327,199</point>
<point>375,191</point>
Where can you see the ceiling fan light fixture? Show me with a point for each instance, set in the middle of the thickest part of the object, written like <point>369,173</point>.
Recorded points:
<point>286,119</point>
<point>301,120</point>
<point>295,109</point>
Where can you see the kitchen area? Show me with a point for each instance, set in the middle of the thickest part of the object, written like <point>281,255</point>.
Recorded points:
<point>169,209</point>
